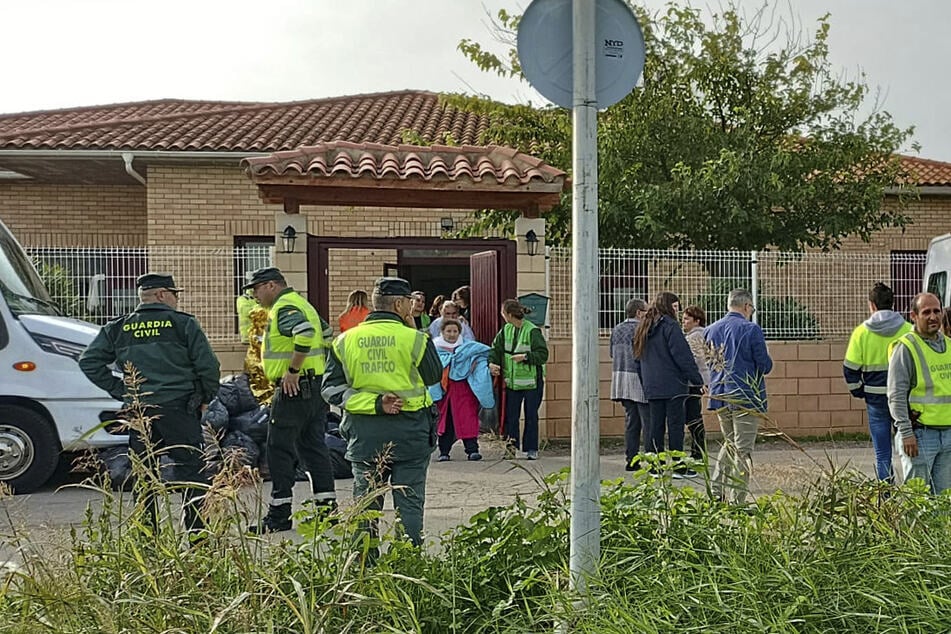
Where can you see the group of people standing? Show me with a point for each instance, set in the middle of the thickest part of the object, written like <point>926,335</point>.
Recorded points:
<point>661,370</point>
<point>385,370</point>
<point>903,372</point>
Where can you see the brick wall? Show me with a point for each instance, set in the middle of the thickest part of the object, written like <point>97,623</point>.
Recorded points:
<point>74,215</point>
<point>806,391</point>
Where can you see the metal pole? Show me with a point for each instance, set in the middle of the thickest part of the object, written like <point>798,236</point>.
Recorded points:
<point>754,283</point>
<point>585,431</point>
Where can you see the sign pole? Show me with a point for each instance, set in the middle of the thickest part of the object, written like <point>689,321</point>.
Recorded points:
<point>585,423</point>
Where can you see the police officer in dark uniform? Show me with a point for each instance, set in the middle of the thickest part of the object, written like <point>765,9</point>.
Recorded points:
<point>293,354</point>
<point>378,373</point>
<point>180,375</point>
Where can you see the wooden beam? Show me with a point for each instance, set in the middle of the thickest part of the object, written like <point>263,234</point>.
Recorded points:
<point>530,203</point>
<point>291,206</point>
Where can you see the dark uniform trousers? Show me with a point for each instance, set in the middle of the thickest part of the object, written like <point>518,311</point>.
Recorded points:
<point>297,430</point>
<point>176,432</point>
<point>408,479</point>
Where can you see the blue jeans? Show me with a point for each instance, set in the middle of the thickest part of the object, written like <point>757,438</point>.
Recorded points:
<point>513,411</point>
<point>636,422</point>
<point>881,428</point>
<point>933,462</point>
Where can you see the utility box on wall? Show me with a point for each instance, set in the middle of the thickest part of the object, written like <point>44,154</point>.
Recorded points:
<point>538,304</point>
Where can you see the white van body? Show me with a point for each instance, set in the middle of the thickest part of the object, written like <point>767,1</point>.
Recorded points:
<point>47,405</point>
<point>938,268</point>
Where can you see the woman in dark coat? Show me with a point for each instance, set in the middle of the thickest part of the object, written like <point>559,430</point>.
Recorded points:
<point>668,370</point>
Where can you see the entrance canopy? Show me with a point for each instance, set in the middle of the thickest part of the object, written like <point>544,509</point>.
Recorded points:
<point>438,176</point>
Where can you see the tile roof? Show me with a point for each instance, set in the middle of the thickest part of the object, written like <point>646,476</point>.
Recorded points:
<point>179,125</point>
<point>373,161</point>
<point>926,172</point>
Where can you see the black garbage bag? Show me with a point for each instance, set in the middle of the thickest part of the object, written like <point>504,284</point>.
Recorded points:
<point>116,462</point>
<point>254,423</point>
<point>211,453</point>
<point>235,393</point>
<point>216,416</point>
<point>236,441</point>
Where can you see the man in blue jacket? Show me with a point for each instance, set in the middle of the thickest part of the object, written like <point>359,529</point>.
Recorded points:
<point>738,366</point>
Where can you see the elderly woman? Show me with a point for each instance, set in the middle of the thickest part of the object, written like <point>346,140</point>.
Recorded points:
<point>695,322</point>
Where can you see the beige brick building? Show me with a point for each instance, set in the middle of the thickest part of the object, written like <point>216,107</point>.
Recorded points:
<point>168,173</point>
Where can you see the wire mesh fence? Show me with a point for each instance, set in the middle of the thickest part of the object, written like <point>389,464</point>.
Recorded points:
<point>97,285</point>
<point>798,296</point>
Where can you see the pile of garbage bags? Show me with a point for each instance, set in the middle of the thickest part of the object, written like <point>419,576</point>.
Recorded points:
<point>235,428</point>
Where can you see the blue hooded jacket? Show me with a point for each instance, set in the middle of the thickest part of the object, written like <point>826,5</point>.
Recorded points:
<point>470,363</point>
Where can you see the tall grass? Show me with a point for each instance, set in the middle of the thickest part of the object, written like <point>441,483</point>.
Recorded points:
<point>846,555</point>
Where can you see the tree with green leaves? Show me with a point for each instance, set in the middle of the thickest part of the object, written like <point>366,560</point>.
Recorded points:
<point>741,135</point>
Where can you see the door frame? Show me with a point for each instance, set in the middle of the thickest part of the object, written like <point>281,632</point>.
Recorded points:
<point>318,260</point>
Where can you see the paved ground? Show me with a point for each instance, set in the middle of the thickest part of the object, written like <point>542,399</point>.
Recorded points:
<point>457,489</point>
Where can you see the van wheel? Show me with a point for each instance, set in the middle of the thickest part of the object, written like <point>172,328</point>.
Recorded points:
<point>29,449</point>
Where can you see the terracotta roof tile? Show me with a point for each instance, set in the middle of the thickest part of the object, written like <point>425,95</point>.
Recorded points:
<point>341,159</point>
<point>172,124</point>
<point>926,172</point>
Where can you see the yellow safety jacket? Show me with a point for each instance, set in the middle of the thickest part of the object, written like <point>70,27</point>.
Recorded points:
<point>931,394</point>
<point>277,349</point>
<point>380,357</point>
<point>867,355</point>
<point>244,305</point>
<point>519,376</point>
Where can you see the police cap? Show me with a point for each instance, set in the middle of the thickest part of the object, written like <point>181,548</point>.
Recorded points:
<point>156,280</point>
<point>393,286</point>
<point>267,274</point>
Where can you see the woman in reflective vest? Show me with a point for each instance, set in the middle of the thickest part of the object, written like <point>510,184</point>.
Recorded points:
<point>519,353</point>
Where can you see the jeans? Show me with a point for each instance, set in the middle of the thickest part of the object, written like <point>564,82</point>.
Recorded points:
<point>637,418</point>
<point>881,428</point>
<point>731,476</point>
<point>513,411</point>
<point>933,462</point>
<point>667,414</point>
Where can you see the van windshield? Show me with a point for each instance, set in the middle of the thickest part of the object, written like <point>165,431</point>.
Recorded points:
<point>20,285</point>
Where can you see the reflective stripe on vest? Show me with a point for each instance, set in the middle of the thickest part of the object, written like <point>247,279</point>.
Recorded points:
<point>519,376</point>
<point>931,398</point>
<point>278,350</point>
<point>380,357</point>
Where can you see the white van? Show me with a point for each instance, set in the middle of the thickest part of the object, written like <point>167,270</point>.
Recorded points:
<point>47,405</point>
<point>938,268</point>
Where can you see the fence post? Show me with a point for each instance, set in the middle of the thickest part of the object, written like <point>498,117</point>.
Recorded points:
<point>754,284</point>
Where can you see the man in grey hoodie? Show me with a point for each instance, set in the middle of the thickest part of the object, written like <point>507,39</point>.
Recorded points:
<point>919,395</point>
<point>866,370</point>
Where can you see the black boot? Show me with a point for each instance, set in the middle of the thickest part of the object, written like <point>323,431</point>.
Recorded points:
<point>278,519</point>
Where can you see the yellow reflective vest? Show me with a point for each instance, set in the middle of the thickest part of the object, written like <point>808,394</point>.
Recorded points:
<point>931,394</point>
<point>380,357</point>
<point>244,305</point>
<point>277,349</point>
<point>867,355</point>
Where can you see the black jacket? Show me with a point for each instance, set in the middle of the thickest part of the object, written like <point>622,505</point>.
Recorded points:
<point>666,364</point>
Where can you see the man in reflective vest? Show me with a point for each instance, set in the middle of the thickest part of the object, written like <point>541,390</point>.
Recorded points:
<point>244,304</point>
<point>293,354</point>
<point>378,372</point>
<point>866,370</point>
<point>919,395</point>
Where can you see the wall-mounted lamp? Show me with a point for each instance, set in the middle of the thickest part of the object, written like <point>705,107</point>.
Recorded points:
<point>446,224</point>
<point>531,242</point>
<point>288,238</point>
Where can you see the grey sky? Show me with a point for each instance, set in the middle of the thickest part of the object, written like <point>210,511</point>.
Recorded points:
<point>61,53</point>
